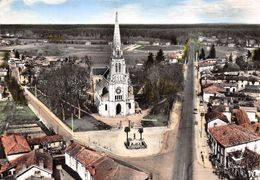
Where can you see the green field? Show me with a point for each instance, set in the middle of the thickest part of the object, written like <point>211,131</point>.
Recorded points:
<point>14,114</point>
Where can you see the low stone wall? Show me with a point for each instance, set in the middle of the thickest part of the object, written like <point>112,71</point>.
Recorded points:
<point>44,109</point>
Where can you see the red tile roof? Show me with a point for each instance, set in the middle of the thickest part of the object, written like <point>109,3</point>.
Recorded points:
<point>45,139</point>
<point>101,166</point>
<point>215,115</point>
<point>32,158</point>
<point>14,144</point>
<point>213,89</point>
<point>232,134</point>
<point>241,116</point>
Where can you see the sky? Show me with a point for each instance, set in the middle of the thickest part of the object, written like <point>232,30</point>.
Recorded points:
<point>130,11</point>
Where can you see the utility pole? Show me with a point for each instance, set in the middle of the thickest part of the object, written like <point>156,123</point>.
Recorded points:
<point>35,90</point>
<point>72,123</point>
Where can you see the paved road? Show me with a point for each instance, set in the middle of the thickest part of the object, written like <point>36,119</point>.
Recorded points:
<point>183,154</point>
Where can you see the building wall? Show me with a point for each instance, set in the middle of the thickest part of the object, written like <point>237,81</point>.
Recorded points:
<point>77,167</point>
<point>252,116</point>
<point>222,152</point>
<point>206,96</point>
<point>228,115</point>
<point>12,157</point>
<point>32,172</point>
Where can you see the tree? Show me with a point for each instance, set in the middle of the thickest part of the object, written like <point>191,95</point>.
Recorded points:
<point>230,58</point>
<point>212,52</point>
<point>202,54</point>
<point>150,60</point>
<point>127,130</point>
<point>6,56</point>
<point>256,57</point>
<point>241,63</point>
<point>16,91</point>
<point>249,54</point>
<point>141,130</point>
<point>16,54</point>
<point>174,40</point>
<point>67,83</point>
<point>160,56</point>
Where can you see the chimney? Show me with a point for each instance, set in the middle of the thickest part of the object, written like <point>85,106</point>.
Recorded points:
<point>92,170</point>
<point>41,163</point>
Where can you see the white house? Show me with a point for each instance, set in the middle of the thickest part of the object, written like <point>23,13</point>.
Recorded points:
<point>90,164</point>
<point>212,90</point>
<point>31,165</point>
<point>214,119</point>
<point>229,138</point>
<point>73,159</point>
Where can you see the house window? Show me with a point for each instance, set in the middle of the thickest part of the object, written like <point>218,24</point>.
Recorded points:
<point>37,172</point>
<point>106,107</point>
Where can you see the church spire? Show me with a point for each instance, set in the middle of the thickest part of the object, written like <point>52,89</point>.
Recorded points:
<point>117,52</point>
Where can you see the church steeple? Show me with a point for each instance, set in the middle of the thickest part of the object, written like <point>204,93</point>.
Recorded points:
<point>117,52</point>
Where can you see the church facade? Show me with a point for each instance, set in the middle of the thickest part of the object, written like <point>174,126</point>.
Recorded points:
<point>114,93</point>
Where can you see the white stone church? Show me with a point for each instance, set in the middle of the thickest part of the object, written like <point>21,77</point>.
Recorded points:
<point>113,91</point>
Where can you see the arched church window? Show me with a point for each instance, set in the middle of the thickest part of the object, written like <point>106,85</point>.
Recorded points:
<point>106,107</point>
<point>116,67</point>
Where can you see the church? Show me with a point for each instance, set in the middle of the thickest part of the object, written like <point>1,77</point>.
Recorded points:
<point>113,92</point>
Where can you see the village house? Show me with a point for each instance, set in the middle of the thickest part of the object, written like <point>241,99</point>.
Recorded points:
<point>51,144</point>
<point>229,138</point>
<point>212,90</point>
<point>251,112</point>
<point>14,146</point>
<point>31,165</point>
<point>252,90</point>
<point>90,164</point>
<point>243,164</point>
<point>240,117</point>
<point>215,118</point>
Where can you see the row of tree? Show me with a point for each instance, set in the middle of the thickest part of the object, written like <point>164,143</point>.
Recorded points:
<point>212,53</point>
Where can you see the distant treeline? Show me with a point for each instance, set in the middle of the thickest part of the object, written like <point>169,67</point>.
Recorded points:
<point>174,33</point>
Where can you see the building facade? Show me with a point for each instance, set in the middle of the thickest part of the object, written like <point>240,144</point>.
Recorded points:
<point>114,93</point>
